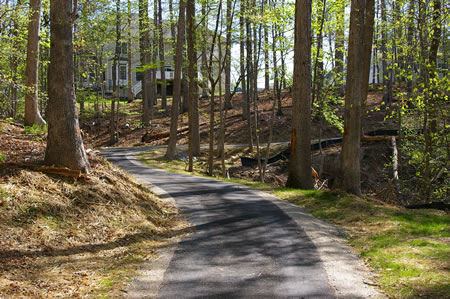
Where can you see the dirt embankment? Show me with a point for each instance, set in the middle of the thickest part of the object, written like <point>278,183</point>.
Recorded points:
<point>62,236</point>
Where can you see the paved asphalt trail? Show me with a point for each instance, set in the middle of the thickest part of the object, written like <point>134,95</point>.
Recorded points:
<point>243,246</point>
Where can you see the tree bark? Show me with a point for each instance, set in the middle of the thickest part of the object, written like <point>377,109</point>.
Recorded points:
<point>250,73</point>
<point>129,56</point>
<point>339,50</point>
<point>318,63</point>
<point>144,43</point>
<point>266,57</point>
<point>387,80</point>
<point>245,112</point>
<point>299,175</point>
<point>32,115</point>
<point>367,54</point>
<point>162,59</point>
<point>172,146</point>
<point>64,143</point>
<point>228,104</point>
<point>114,132</point>
<point>194,127</point>
<point>350,162</point>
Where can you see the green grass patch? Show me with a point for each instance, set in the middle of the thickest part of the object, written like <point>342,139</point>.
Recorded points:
<point>408,249</point>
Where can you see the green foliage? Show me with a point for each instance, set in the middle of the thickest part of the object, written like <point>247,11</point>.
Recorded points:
<point>427,175</point>
<point>2,157</point>
<point>35,129</point>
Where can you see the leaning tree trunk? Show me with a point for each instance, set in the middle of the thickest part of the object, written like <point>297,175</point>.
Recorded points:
<point>299,175</point>
<point>32,115</point>
<point>64,143</point>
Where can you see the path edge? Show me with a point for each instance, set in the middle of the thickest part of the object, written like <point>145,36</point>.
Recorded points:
<point>346,272</point>
<point>150,277</point>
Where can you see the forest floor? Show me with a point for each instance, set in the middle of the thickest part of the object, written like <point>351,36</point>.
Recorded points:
<point>69,235</point>
<point>376,176</point>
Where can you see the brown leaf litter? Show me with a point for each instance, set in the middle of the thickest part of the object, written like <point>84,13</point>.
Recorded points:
<point>66,237</point>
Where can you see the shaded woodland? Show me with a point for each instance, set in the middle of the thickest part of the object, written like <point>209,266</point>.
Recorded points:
<point>303,67</point>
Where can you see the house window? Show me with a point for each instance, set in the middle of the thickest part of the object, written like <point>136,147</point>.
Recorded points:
<point>138,76</point>
<point>123,72</point>
<point>123,48</point>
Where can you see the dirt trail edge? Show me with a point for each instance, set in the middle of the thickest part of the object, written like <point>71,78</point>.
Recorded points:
<point>245,244</point>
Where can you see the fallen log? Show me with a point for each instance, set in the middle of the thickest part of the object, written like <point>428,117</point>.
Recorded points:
<point>76,174</point>
<point>62,171</point>
<point>386,138</point>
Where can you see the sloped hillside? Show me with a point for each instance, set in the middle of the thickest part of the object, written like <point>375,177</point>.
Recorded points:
<point>62,236</point>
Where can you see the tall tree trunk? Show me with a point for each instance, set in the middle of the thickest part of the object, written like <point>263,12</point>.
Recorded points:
<point>205,33</point>
<point>250,73</point>
<point>32,115</point>
<point>154,57</point>
<point>299,175</point>
<point>228,104</point>
<point>129,56</point>
<point>172,146</point>
<point>222,107</point>
<point>245,112</point>
<point>276,85</point>
<point>339,50</point>
<point>15,60</point>
<point>387,80</point>
<point>410,51</point>
<point>350,161</point>
<point>64,143</point>
<point>318,64</point>
<point>213,83</point>
<point>144,44</point>
<point>114,138</point>
<point>185,89</point>
<point>162,59</point>
<point>266,57</point>
<point>367,54</point>
<point>194,132</point>
<point>256,53</point>
<point>374,56</point>
<point>430,70</point>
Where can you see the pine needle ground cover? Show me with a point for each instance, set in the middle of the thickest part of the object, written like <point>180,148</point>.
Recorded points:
<point>408,250</point>
<point>67,237</point>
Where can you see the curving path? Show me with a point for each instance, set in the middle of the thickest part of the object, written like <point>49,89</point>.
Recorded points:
<point>246,244</point>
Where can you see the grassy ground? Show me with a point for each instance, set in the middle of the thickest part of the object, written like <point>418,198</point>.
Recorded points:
<point>409,250</point>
